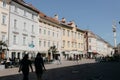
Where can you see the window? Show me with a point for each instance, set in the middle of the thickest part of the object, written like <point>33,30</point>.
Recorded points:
<point>16,9</point>
<point>75,34</point>
<point>3,37</point>
<point>48,32</point>
<point>32,16</point>
<point>4,3</point>
<point>15,23</point>
<point>14,39</point>
<point>24,26</point>
<point>57,34</point>
<point>78,35</point>
<point>32,28</point>
<point>25,13</point>
<point>44,31</point>
<point>53,34</point>
<point>48,43</point>
<point>63,43</point>
<point>39,42</point>
<point>68,32</point>
<point>89,47</point>
<point>75,44</point>
<point>63,32</point>
<point>4,19</point>
<point>72,44</point>
<point>89,40</point>
<point>40,30</point>
<point>72,33</point>
<point>31,44</point>
<point>81,36</point>
<point>82,45</point>
<point>79,45</point>
<point>44,43</point>
<point>53,43</point>
<point>68,43</point>
<point>57,44</point>
<point>24,40</point>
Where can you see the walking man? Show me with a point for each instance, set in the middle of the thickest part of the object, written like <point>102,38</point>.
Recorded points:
<point>24,67</point>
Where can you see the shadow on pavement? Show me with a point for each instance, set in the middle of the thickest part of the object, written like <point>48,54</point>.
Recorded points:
<point>91,71</point>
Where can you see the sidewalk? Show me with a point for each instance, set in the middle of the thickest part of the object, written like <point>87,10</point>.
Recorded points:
<point>12,71</point>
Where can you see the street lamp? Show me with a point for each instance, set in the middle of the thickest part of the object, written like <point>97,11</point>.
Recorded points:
<point>114,33</point>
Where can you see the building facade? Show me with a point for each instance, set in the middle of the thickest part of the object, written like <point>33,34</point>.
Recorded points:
<point>4,23</point>
<point>96,46</point>
<point>72,39</point>
<point>23,30</point>
<point>49,35</point>
<point>26,30</point>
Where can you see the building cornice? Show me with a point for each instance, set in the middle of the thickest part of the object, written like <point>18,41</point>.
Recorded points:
<point>29,6</point>
<point>49,22</point>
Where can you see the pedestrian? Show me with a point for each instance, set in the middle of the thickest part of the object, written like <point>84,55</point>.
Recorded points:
<point>59,59</point>
<point>39,66</point>
<point>25,63</point>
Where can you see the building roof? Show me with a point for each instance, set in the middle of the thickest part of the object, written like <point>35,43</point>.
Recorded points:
<point>44,16</point>
<point>21,2</point>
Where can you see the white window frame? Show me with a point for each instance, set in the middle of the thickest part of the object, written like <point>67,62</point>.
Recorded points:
<point>4,19</point>
<point>15,24</point>
<point>24,27</point>
<point>14,39</point>
<point>15,8</point>
<point>3,37</point>
<point>32,28</point>
<point>4,3</point>
<point>24,40</point>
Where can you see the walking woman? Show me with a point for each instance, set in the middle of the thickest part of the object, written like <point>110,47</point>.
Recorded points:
<point>39,66</point>
<point>24,67</point>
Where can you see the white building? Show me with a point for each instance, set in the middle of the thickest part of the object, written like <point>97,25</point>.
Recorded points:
<point>103,47</point>
<point>92,45</point>
<point>98,46</point>
<point>4,24</point>
<point>23,29</point>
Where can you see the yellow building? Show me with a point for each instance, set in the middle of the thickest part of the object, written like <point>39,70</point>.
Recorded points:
<point>49,35</point>
<point>4,22</point>
<point>72,40</point>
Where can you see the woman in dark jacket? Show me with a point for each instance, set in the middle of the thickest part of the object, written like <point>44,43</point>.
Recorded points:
<point>39,66</point>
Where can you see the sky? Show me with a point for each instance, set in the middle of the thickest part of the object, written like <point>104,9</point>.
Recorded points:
<point>95,15</point>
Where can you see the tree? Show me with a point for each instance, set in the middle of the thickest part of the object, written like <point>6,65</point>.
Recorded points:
<point>3,47</point>
<point>53,50</point>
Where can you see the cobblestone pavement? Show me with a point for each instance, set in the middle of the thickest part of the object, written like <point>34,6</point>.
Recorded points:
<point>12,71</point>
<point>68,70</point>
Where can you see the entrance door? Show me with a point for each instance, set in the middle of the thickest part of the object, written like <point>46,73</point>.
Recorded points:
<point>13,55</point>
<point>18,56</point>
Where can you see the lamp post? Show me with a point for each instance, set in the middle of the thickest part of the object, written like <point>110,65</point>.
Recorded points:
<point>114,33</point>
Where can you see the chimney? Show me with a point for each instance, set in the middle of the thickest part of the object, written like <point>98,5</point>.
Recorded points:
<point>56,17</point>
<point>63,20</point>
<point>72,23</point>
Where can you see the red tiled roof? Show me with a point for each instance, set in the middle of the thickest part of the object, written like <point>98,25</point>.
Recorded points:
<point>42,15</point>
<point>21,2</point>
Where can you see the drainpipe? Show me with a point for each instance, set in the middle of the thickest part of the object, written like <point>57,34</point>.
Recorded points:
<point>9,29</point>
